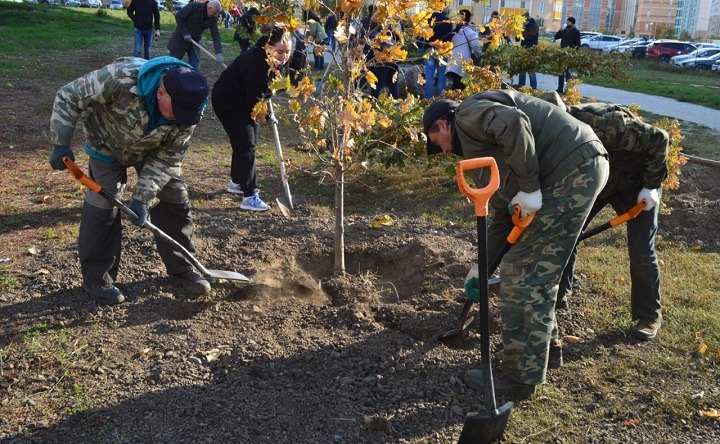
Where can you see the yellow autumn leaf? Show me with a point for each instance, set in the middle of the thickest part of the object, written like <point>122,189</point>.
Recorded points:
<point>385,220</point>
<point>294,106</point>
<point>702,348</point>
<point>384,122</point>
<point>259,111</point>
<point>718,353</point>
<point>710,413</point>
<point>696,248</point>
<point>371,79</point>
<point>8,85</point>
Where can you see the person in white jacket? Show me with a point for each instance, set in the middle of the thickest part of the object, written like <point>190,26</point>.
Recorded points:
<point>465,42</point>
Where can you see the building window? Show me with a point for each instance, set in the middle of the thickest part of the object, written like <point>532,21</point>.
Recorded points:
<point>541,7</point>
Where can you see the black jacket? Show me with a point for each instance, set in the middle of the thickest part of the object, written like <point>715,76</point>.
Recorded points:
<point>569,37</point>
<point>245,82</point>
<point>141,12</point>
<point>530,34</point>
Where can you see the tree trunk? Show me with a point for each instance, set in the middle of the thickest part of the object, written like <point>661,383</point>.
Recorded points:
<point>339,219</point>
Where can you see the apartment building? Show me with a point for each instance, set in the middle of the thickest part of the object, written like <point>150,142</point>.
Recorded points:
<point>548,13</point>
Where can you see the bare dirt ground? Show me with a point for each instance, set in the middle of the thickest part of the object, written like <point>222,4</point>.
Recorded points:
<point>294,356</point>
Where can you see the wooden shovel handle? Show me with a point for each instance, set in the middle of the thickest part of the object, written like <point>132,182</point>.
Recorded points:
<point>480,196</point>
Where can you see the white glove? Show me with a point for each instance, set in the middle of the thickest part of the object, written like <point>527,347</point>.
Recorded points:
<point>529,202</point>
<point>219,58</point>
<point>651,196</point>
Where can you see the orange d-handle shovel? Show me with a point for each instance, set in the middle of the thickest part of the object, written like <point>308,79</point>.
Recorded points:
<point>487,426</point>
<point>95,187</point>
<point>621,219</point>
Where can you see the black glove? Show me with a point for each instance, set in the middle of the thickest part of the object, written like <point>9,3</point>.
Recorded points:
<point>141,209</point>
<point>57,155</point>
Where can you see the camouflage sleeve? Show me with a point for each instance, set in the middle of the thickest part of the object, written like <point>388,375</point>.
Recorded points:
<point>96,88</point>
<point>634,135</point>
<point>163,164</point>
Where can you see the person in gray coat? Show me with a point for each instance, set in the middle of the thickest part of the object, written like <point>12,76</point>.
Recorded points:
<point>191,21</point>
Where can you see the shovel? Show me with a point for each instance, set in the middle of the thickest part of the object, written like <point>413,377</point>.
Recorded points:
<point>520,225</point>
<point>621,219</point>
<point>202,48</point>
<point>286,203</point>
<point>487,426</point>
<point>95,187</point>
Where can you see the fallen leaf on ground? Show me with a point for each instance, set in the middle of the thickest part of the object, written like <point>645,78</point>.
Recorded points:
<point>385,220</point>
<point>572,339</point>
<point>711,413</point>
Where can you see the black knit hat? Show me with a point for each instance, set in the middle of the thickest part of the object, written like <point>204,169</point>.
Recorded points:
<point>571,20</point>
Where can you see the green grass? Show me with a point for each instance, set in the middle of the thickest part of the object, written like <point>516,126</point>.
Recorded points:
<point>685,85</point>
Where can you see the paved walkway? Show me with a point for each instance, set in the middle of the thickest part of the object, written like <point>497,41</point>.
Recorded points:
<point>659,105</point>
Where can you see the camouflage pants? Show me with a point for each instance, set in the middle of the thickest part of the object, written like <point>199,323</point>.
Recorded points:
<point>530,271</point>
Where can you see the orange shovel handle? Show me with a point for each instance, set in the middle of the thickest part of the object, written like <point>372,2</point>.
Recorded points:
<point>630,214</point>
<point>480,196</point>
<point>80,176</point>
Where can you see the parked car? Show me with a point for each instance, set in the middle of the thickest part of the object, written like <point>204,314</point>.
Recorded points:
<point>599,42</point>
<point>178,4</point>
<point>621,46</point>
<point>161,5</point>
<point>588,34</point>
<point>639,49</point>
<point>90,3</point>
<point>50,2</point>
<point>680,60</point>
<point>662,50</point>
<point>702,63</point>
<point>716,65</point>
<point>117,4</point>
<point>706,45</point>
<point>73,3</point>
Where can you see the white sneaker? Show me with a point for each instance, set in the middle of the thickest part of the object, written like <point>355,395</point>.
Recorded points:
<point>234,188</point>
<point>254,203</point>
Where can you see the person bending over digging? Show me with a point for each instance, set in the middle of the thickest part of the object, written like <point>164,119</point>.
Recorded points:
<point>140,114</point>
<point>550,164</point>
<point>638,165</point>
<point>240,87</point>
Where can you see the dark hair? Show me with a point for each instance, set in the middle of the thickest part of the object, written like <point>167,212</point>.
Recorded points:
<point>571,20</point>
<point>494,13</point>
<point>310,15</point>
<point>448,117</point>
<point>275,36</point>
<point>466,14</point>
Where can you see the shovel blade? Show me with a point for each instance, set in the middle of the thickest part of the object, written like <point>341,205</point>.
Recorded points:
<point>485,427</point>
<point>222,274</point>
<point>286,206</point>
<point>456,332</point>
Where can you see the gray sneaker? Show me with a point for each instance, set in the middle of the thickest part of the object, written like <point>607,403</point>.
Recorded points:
<point>191,282</point>
<point>106,294</point>
<point>646,330</point>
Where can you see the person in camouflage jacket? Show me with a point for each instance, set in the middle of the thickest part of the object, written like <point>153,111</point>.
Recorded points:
<point>141,114</point>
<point>550,164</point>
<point>638,165</point>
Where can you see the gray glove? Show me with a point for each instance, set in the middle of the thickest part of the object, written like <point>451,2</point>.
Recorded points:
<point>187,38</point>
<point>219,58</point>
<point>141,210</point>
<point>57,155</point>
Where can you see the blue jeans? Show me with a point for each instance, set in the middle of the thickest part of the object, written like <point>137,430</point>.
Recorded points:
<point>193,57</point>
<point>645,300</point>
<point>143,37</point>
<point>432,66</point>
<point>385,73</point>
<point>533,80</point>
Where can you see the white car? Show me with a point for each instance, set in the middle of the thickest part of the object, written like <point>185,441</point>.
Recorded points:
<point>621,46</point>
<point>702,63</point>
<point>680,60</point>
<point>117,4</point>
<point>600,41</point>
<point>716,65</point>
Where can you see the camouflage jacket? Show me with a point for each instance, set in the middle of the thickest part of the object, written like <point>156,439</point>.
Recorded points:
<point>638,151</point>
<point>117,125</point>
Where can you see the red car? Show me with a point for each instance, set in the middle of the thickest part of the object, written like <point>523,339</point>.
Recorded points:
<point>664,49</point>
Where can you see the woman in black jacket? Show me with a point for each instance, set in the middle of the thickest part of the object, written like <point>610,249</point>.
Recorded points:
<point>240,87</point>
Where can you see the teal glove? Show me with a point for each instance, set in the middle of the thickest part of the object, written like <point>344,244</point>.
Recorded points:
<point>472,291</point>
